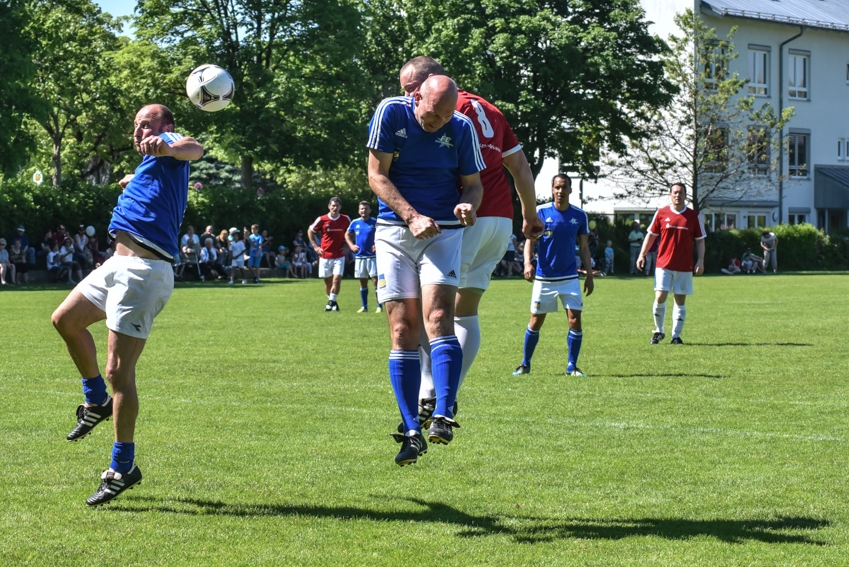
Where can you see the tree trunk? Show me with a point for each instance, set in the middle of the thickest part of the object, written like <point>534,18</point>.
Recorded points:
<point>247,172</point>
<point>57,163</point>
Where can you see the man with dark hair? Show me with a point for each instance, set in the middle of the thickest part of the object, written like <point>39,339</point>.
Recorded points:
<point>678,228</point>
<point>360,239</point>
<point>331,250</point>
<point>485,243</point>
<point>129,290</point>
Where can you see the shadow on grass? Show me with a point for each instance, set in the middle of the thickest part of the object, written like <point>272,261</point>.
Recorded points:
<point>523,529</point>
<point>664,375</point>
<point>749,344</point>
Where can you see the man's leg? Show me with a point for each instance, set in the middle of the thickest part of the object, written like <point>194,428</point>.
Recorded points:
<point>531,341</point>
<point>376,299</point>
<point>635,252</point>
<point>364,294</point>
<point>679,314</point>
<point>446,353</point>
<point>574,340</point>
<point>467,326</point>
<point>659,310</point>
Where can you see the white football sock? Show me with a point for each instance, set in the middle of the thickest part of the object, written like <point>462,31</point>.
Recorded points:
<point>468,331</point>
<point>659,310</point>
<point>332,297</point>
<point>679,313</point>
<point>426,389</point>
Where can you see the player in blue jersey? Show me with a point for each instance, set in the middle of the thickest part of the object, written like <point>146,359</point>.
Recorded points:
<point>557,272</point>
<point>360,239</point>
<point>129,289</point>
<point>419,149</point>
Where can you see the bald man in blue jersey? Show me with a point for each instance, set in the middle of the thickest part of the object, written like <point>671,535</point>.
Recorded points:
<point>129,289</point>
<point>419,150</point>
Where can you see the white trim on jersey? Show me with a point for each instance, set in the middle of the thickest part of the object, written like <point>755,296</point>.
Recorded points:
<point>481,165</point>
<point>171,137</point>
<point>651,224</point>
<point>315,222</point>
<point>378,118</point>
<point>511,152</point>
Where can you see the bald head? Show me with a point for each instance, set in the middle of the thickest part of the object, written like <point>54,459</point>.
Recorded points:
<point>416,71</point>
<point>435,102</point>
<point>152,120</point>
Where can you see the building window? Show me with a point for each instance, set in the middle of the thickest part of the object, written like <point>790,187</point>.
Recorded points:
<point>720,221</point>
<point>797,219</point>
<point>757,150</point>
<point>757,221</point>
<point>716,150</point>
<point>798,158</point>
<point>847,73</point>
<point>714,67</point>
<point>841,147</point>
<point>758,72</point>
<point>798,77</point>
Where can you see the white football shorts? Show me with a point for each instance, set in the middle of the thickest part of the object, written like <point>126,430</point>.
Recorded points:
<point>131,291</point>
<point>545,295</point>
<point>484,244</point>
<point>238,262</point>
<point>365,267</point>
<point>405,263</point>
<point>331,267</point>
<point>679,283</point>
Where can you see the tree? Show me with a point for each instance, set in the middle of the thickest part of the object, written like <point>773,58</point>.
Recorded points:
<point>710,135</point>
<point>72,39</point>
<point>299,92</point>
<point>569,75</point>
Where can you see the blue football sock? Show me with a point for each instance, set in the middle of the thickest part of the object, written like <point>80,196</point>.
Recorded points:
<point>364,297</point>
<point>573,341</point>
<point>405,374</point>
<point>123,455</point>
<point>376,300</point>
<point>531,340</point>
<point>94,390</point>
<point>446,357</point>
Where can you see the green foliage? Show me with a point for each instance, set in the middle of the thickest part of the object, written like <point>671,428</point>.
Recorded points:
<point>569,75</point>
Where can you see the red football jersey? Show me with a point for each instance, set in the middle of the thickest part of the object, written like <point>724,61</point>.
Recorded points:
<point>677,232</point>
<point>497,140</point>
<point>332,234</point>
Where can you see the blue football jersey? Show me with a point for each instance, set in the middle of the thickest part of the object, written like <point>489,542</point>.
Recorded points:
<point>363,236</point>
<point>557,245</point>
<point>151,208</point>
<point>425,166</point>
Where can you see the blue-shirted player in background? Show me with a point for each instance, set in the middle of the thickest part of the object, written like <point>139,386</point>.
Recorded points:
<point>419,148</point>
<point>129,289</point>
<point>557,272</point>
<point>360,239</point>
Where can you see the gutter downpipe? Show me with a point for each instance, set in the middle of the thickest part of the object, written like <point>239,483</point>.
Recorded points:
<point>781,132</point>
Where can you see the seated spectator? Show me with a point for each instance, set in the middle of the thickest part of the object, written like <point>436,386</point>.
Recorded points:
<point>207,235</point>
<point>282,263</point>
<point>752,262</point>
<point>222,245</point>
<point>29,251</point>
<point>733,267</point>
<point>209,266</point>
<point>80,246</point>
<point>46,246</point>
<point>66,255</point>
<point>93,254</point>
<point>7,269</point>
<point>110,248</point>
<point>189,249</point>
<point>300,265</point>
<point>55,268</point>
<point>18,258</point>
<point>268,255</point>
<point>237,256</point>
<point>59,235</point>
<point>299,241</point>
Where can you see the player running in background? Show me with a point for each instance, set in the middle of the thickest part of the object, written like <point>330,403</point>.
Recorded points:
<point>129,290</point>
<point>484,243</point>
<point>418,149</point>
<point>360,239</point>
<point>557,272</point>
<point>678,227</point>
<point>331,251</point>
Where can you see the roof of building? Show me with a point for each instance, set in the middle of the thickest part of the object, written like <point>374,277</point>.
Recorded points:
<point>839,174</point>
<point>825,14</point>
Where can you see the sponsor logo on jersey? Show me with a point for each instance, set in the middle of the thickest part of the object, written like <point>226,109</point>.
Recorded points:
<point>548,219</point>
<point>444,141</point>
<point>573,221</point>
<point>402,133</point>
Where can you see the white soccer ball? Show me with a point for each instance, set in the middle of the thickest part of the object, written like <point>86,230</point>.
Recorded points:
<point>210,88</point>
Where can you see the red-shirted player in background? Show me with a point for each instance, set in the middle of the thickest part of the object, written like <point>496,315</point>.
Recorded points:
<point>331,251</point>
<point>484,243</point>
<point>678,227</point>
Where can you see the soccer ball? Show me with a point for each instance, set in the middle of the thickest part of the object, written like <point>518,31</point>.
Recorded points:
<point>210,88</point>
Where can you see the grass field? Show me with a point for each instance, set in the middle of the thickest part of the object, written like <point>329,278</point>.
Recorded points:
<point>264,436</point>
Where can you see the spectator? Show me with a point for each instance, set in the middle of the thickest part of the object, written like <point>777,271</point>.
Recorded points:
<point>635,242</point>
<point>54,264</point>
<point>66,255</point>
<point>508,261</point>
<point>267,252</point>
<point>59,235</point>
<point>7,269</point>
<point>18,259</point>
<point>208,234</point>
<point>46,245</point>
<point>237,255</point>
<point>769,243</point>
<point>281,262</point>
<point>733,267</point>
<point>189,249</point>
<point>222,244</point>
<point>608,258</point>
<point>110,248</point>
<point>80,246</point>
<point>592,239</point>
<point>651,258</point>
<point>29,251</point>
<point>209,265</point>
<point>299,241</point>
<point>752,262</point>
<point>300,265</point>
<point>93,254</point>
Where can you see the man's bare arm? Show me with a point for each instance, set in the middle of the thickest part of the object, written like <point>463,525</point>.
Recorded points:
<point>470,200</point>
<point>587,261</point>
<point>517,164</point>
<point>378,179</point>
<point>647,244</point>
<point>700,256</point>
<point>186,149</point>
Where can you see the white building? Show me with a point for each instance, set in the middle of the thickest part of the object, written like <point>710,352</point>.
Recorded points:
<point>794,53</point>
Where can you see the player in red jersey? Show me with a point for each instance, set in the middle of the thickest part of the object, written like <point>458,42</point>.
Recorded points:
<point>331,251</point>
<point>678,227</point>
<point>484,243</point>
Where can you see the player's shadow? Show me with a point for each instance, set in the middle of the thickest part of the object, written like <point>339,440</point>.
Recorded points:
<point>522,529</point>
<point>665,375</point>
<point>750,344</point>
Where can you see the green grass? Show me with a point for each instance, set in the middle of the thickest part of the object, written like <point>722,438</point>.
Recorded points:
<point>264,436</point>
